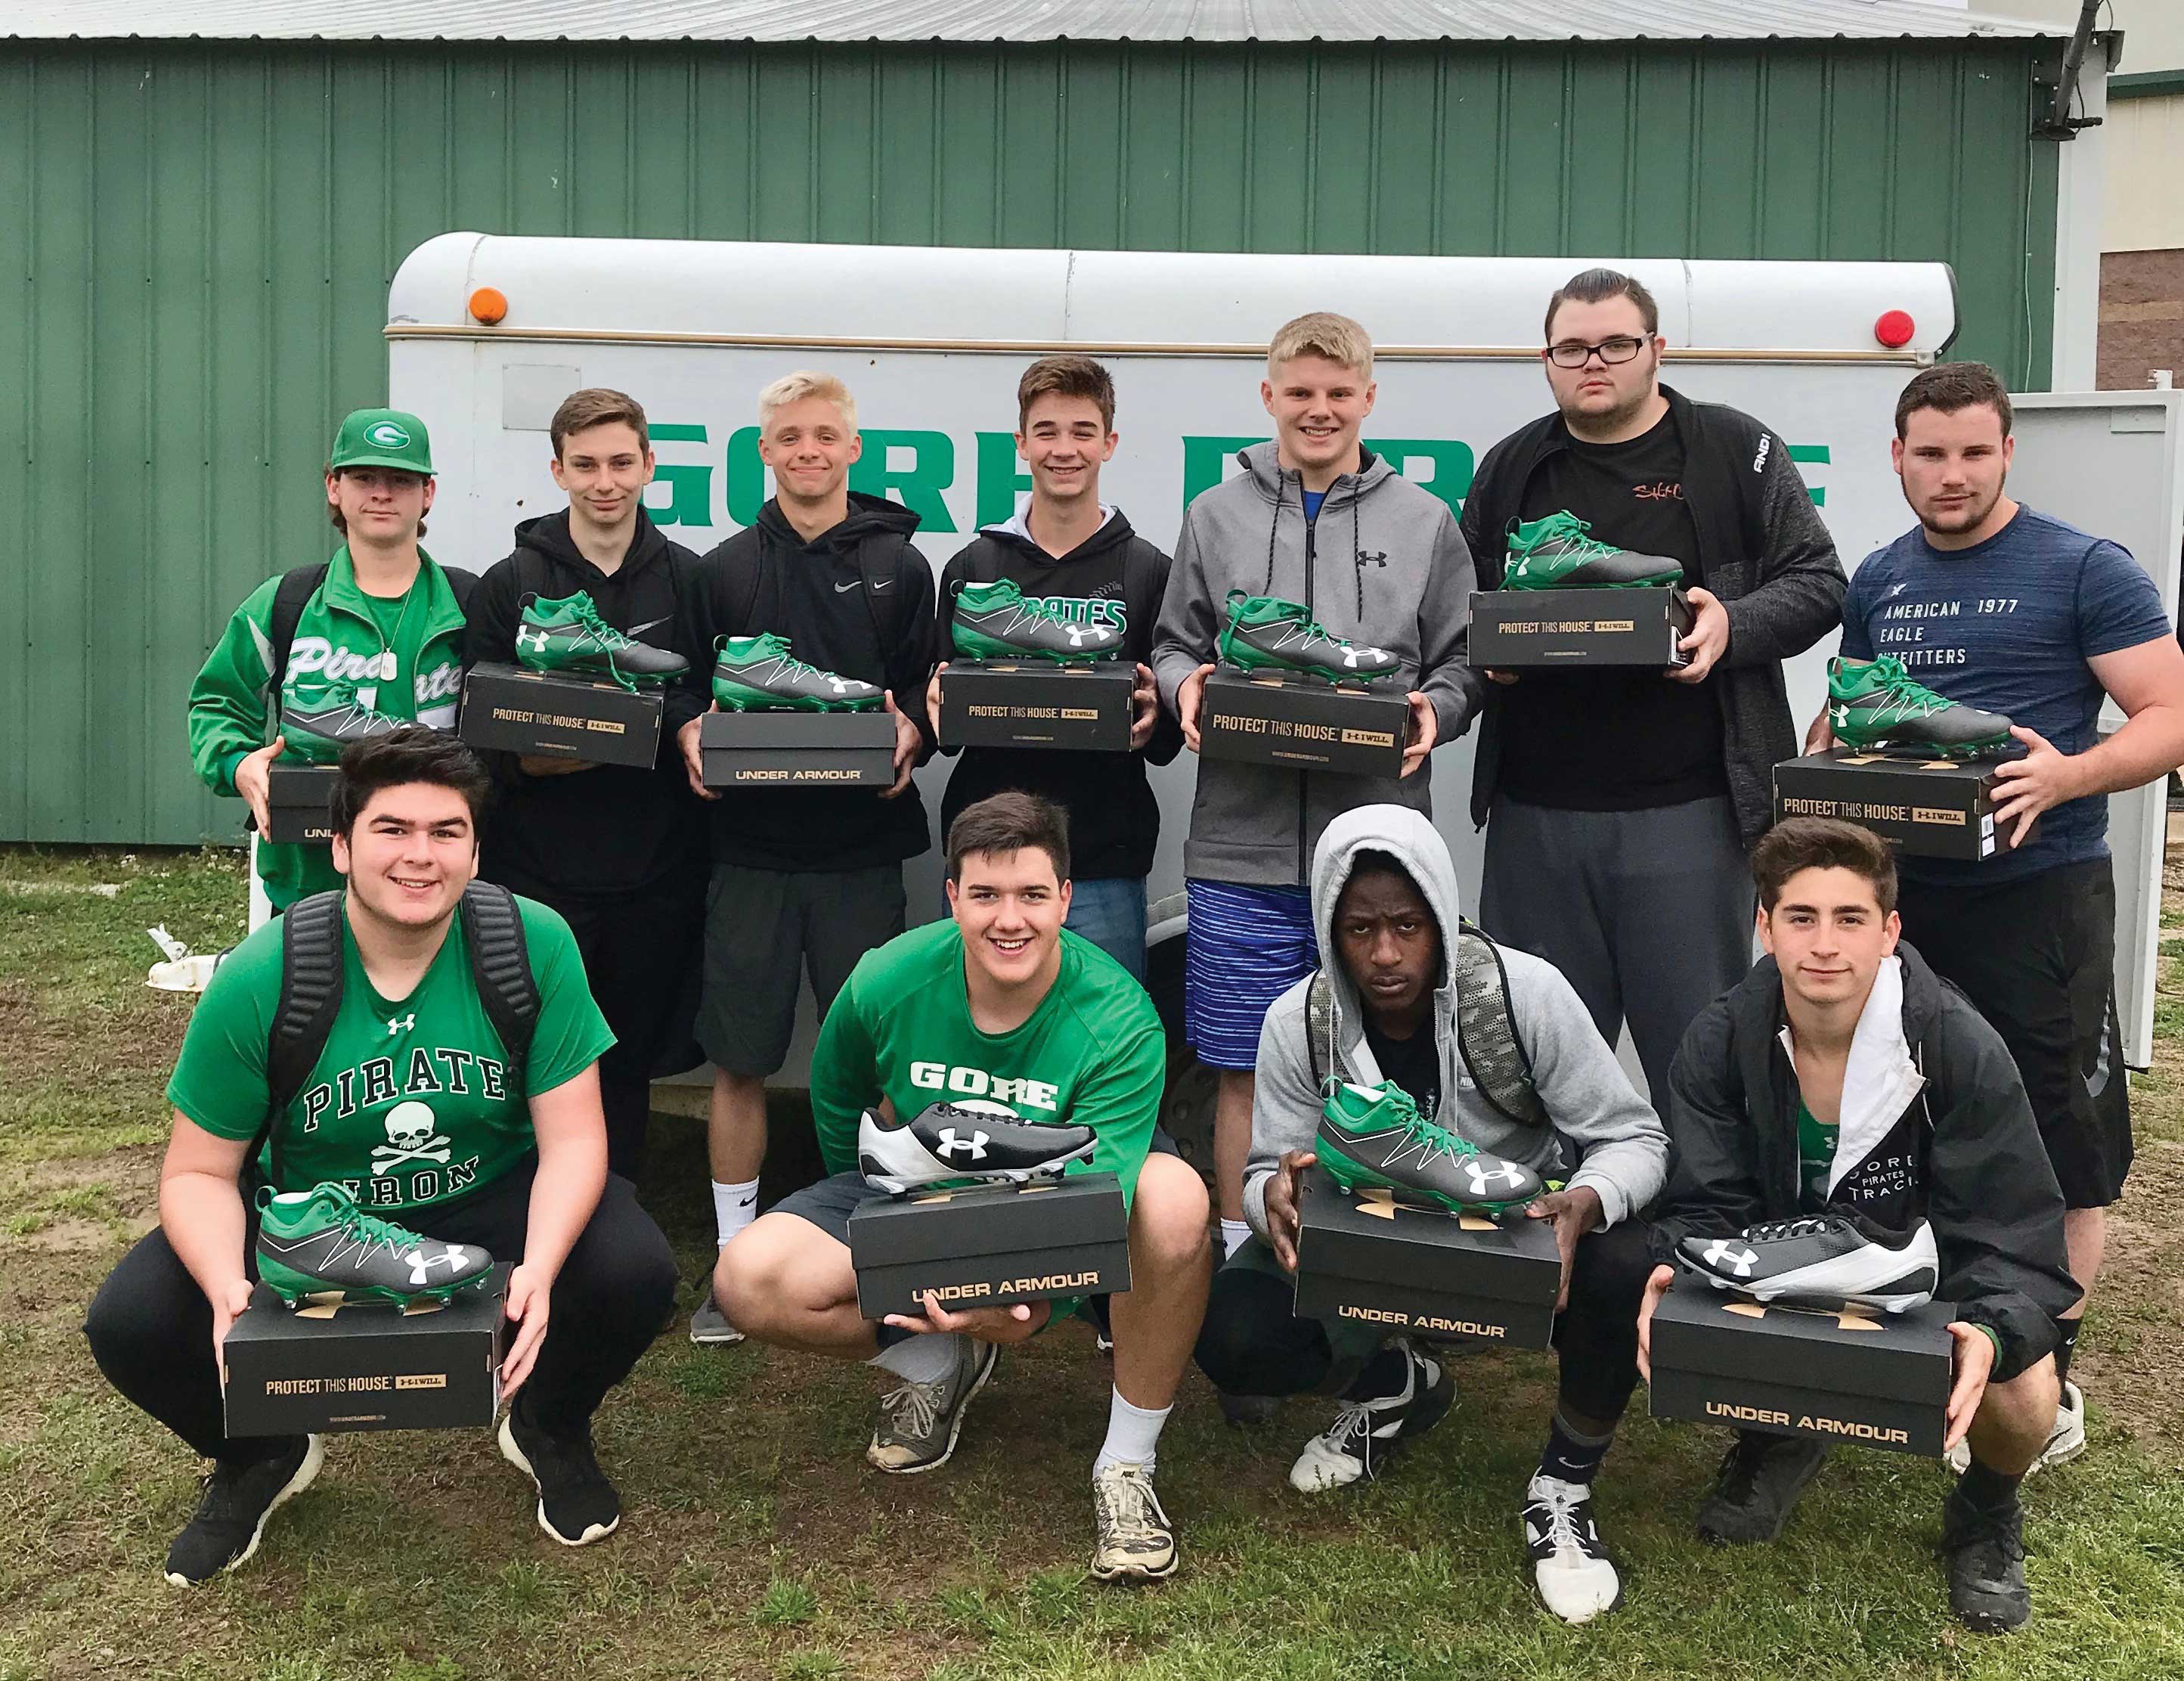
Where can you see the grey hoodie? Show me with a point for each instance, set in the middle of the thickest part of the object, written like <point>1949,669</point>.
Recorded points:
<point>1599,1122</point>
<point>1383,564</point>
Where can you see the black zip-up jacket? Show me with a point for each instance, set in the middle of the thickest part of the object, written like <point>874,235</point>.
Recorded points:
<point>1115,575</point>
<point>766,578</point>
<point>614,828</point>
<point>1964,1155</point>
<point>1762,550</point>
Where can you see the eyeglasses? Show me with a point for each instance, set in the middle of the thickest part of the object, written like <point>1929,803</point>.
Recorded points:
<point>1610,351</point>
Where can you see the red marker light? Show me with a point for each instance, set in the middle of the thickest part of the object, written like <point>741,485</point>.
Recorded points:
<point>1894,329</point>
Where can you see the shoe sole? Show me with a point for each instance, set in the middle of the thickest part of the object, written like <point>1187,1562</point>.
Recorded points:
<point>993,1359</point>
<point>334,1296</point>
<point>314,1458</point>
<point>1139,1572</point>
<point>515,1457</point>
<point>1262,671</point>
<point>1925,750</point>
<point>971,645</point>
<point>1833,1303</point>
<point>709,1340</point>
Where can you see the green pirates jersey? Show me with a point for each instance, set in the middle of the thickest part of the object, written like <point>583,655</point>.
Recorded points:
<point>412,1101</point>
<point>1090,1055</point>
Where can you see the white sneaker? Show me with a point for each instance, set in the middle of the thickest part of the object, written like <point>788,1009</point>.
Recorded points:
<point>1365,1432</point>
<point>1136,1542</point>
<point>2066,1441</point>
<point>1570,1567</point>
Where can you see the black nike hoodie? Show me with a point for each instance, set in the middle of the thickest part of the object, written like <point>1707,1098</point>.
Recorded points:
<point>1114,576</point>
<point>856,600</point>
<point>614,829</point>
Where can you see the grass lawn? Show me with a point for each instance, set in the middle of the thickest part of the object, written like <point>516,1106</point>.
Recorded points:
<point>756,1542</point>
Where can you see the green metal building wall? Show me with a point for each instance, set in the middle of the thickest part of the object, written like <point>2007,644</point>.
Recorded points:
<point>196,242</point>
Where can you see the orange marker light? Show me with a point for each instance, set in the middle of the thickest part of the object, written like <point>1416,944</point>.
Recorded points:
<point>1894,329</point>
<point>489,305</point>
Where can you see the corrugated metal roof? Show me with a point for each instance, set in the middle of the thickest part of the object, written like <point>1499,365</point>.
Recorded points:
<point>1014,21</point>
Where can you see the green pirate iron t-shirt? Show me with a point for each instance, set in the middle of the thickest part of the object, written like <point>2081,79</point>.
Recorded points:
<point>1090,1055</point>
<point>412,1101</point>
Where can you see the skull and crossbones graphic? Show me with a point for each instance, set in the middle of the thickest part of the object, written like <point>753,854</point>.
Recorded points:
<point>412,1136</point>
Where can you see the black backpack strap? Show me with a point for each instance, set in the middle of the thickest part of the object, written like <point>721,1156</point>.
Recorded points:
<point>464,584</point>
<point>310,999</point>
<point>741,567</point>
<point>500,967</point>
<point>297,587</point>
<point>1486,1030</point>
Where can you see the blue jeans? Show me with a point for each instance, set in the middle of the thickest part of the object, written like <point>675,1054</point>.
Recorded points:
<point>1110,910</point>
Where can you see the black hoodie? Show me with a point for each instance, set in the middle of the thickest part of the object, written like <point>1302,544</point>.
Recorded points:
<point>614,829</point>
<point>1964,1154</point>
<point>1114,576</point>
<point>766,578</point>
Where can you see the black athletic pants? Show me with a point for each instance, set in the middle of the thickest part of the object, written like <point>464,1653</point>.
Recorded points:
<point>640,952</point>
<point>1253,1344</point>
<point>150,1327</point>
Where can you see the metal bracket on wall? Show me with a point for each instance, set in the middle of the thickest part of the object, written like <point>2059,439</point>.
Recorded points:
<point>2053,95</point>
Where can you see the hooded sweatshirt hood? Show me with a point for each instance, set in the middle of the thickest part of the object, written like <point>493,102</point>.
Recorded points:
<point>1880,1078</point>
<point>1618,1142</point>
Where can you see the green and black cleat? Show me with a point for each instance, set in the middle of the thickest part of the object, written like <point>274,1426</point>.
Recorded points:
<point>317,723</point>
<point>1876,706</point>
<point>1267,636</point>
<point>567,638</point>
<point>997,621</point>
<point>318,1245</point>
<point>758,674</point>
<point>1556,553</point>
<point>1372,1138</point>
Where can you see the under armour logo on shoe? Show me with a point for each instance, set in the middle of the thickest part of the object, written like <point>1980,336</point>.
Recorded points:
<point>421,1264</point>
<point>402,1024</point>
<point>1721,1252</point>
<point>1483,1178</point>
<point>951,1145</point>
<point>538,639</point>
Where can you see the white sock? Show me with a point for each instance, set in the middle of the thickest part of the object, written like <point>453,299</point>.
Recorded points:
<point>1235,1234</point>
<point>734,1207</point>
<point>1132,1434</point>
<point>921,1359</point>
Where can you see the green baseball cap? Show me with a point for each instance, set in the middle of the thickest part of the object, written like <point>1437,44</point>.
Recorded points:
<point>382,438</point>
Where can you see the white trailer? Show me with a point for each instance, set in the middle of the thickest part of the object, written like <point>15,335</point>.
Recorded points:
<point>931,339</point>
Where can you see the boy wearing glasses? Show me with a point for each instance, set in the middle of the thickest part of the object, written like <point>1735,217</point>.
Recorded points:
<point>1619,803</point>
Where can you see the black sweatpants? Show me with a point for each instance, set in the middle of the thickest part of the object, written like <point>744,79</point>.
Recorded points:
<point>1252,1344</point>
<point>150,1327</point>
<point>640,952</point>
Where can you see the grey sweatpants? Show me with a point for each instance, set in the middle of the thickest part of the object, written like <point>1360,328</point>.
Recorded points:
<point>1648,914</point>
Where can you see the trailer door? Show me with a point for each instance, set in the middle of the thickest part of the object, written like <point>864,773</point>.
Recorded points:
<point>2112,462</point>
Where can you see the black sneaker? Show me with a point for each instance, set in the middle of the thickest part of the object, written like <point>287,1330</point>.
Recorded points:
<point>1757,1487</point>
<point>577,1503</point>
<point>231,1519</point>
<point>1365,1432</point>
<point>1983,1554</point>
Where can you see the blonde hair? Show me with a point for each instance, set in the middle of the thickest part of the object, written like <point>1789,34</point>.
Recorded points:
<point>1337,339</point>
<point>795,388</point>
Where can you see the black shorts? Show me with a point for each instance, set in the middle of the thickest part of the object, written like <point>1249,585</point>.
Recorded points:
<point>2036,957</point>
<point>765,930</point>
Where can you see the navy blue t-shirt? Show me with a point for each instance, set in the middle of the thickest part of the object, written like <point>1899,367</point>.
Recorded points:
<point>1312,499</point>
<point>2007,625</point>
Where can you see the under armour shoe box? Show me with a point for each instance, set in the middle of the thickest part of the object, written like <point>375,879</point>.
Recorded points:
<point>512,710</point>
<point>1304,725</point>
<point>365,1366</point>
<point>1878,1379</point>
<point>1512,629</point>
<point>1929,808</point>
<point>1369,1258</point>
<point>997,703</point>
<point>295,798</point>
<point>992,1245</point>
<point>797,750</point>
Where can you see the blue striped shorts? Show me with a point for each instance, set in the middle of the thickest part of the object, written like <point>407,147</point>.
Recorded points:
<point>1246,946</point>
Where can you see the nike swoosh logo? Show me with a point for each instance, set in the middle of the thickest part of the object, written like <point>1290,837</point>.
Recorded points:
<point>748,1201</point>
<point>639,629</point>
<point>844,588</point>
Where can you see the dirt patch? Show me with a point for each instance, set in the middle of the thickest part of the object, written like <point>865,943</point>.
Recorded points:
<point>2137,1317</point>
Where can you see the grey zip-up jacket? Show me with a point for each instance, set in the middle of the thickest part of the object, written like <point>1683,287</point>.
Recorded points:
<point>1600,1126</point>
<point>1384,564</point>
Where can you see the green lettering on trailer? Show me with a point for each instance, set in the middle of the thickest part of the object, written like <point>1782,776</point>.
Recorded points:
<point>689,485</point>
<point>932,471</point>
<point>746,477</point>
<point>1001,477</point>
<point>1818,454</point>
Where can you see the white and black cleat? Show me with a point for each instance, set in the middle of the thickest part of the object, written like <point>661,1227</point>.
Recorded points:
<point>948,1145</point>
<point>1829,1260</point>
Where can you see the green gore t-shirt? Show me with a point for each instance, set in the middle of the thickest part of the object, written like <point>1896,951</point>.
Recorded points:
<point>1816,1157</point>
<point>1090,1055</point>
<point>412,1101</point>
